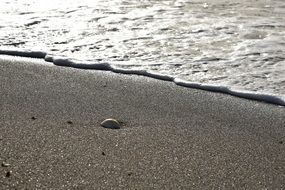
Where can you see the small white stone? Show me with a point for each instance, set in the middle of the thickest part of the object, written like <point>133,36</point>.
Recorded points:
<point>205,5</point>
<point>111,124</point>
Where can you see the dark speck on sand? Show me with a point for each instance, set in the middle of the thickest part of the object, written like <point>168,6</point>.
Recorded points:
<point>8,174</point>
<point>129,174</point>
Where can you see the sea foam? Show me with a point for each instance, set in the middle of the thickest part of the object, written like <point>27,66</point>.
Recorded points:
<point>60,61</point>
<point>223,43</point>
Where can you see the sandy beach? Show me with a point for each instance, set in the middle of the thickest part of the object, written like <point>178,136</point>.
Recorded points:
<point>171,137</point>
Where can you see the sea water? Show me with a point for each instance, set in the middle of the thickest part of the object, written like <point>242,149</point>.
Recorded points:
<point>221,45</point>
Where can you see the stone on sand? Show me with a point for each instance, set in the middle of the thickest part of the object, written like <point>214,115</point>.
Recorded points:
<point>111,124</point>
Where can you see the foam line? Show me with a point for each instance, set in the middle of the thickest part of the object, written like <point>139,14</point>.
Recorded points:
<point>59,61</point>
<point>269,98</point>
<point>69,63</point>
<point>143,73</point>
<point>31,54</point>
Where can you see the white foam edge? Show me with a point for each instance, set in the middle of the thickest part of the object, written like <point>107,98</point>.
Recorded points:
<point>263,97</point>
<point>61,61</point>
<point>24,53</point>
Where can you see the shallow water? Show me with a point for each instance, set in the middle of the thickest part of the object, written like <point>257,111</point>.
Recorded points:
<point>224,42</point>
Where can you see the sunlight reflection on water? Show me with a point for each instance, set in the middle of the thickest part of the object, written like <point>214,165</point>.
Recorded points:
<point>225,42</point>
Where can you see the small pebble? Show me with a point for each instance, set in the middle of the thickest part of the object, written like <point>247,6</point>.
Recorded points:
<point>205,5</point>
<point>8,174</point>
<point>5,164</point>
<point>103,153</point>
<point>280,142</point>
<point>69,122</point>
<point>111,124</point>
<point>33,118</point>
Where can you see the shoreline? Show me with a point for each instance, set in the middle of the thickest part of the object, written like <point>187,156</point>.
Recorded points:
<point>172,137</point>
<point>65,62</point>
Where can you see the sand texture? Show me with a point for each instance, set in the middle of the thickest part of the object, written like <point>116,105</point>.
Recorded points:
<point>171,137</point>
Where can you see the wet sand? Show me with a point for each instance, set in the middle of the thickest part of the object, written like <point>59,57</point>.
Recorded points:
<point>171,137</point>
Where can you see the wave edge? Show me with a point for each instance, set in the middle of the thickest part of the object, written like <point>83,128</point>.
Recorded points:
<point>65,62</point>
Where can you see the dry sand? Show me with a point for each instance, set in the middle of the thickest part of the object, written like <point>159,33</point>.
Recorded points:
<point>172,137</point>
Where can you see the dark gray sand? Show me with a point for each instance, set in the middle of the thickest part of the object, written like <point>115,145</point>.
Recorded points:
<point>171,137</point>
